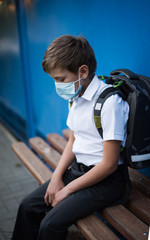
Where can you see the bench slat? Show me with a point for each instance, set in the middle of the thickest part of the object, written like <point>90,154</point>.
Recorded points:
<point>66,133</point>
<point>140,181</point>
<point>57,141</point>
<point>125,222</point>
<point>99,230</point>
<point>139,204</point>
<point>32,162</point>
<point>54,139</point>
<point>45,151</point>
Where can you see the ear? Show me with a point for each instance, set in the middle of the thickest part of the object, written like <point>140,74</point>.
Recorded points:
<point>84,71</point>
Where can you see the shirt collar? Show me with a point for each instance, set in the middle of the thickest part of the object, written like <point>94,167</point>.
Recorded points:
<point>91,89</point>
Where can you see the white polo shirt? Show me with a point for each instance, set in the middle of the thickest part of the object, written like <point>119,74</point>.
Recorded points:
<point>88,144</point>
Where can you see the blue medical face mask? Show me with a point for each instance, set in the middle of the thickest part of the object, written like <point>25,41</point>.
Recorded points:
<point>67,90</point>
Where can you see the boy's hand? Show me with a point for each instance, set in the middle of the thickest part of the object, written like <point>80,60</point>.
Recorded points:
<point>53,187</point>
<point>60,195</point>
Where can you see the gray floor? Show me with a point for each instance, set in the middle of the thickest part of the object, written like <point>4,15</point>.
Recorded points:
<point>15,183</point>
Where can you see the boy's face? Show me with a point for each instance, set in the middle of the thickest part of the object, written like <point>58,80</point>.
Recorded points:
<point>65,76</point>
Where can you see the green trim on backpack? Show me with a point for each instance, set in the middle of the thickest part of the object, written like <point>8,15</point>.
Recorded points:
<point>121,149</point>
<point>70,103</point>
<point>101,77</point>
<point>97,120</point>
<point>117,84</point>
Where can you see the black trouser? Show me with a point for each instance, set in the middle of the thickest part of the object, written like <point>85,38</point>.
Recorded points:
<point>37,221</point>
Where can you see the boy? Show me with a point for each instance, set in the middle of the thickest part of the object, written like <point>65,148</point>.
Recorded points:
<point>95,179</point>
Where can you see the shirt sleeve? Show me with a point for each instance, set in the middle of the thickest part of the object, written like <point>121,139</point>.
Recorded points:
<point>114,117</point>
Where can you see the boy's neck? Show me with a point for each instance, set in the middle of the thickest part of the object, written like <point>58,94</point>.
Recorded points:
<point>87,81</point>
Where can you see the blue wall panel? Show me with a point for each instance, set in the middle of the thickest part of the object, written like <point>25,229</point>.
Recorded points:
<point>12,101</point>
<point>10,64</point>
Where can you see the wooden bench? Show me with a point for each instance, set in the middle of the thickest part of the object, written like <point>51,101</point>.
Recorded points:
<point>130,221</point>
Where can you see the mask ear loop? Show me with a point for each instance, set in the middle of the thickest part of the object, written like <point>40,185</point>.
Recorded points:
<point>79,76</point>
<point>79,88</point>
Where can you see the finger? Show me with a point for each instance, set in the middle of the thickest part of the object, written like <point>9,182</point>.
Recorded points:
<point>56,200</point>
<point>54,203</point>
<point>52,197</point>
<point>46,199</point>
<point>49,198</point>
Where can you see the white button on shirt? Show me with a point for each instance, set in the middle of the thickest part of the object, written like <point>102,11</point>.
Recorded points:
<point>88,144</point>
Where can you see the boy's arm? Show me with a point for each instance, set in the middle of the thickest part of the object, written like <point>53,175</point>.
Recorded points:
<point>66,158</point>
<point>56,182</point>
<point>108,165</point>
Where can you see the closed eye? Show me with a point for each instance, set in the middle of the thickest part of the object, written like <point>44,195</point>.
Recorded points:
<point>59,79</point>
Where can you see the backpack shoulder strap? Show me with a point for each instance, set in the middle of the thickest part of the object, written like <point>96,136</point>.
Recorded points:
<point>108,92</point>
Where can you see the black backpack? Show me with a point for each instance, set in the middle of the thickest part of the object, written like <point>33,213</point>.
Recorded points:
<point>135,89</point>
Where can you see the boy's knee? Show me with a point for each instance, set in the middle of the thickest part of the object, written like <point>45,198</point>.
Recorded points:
<point>51,229</point>
<point>51,225</point>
